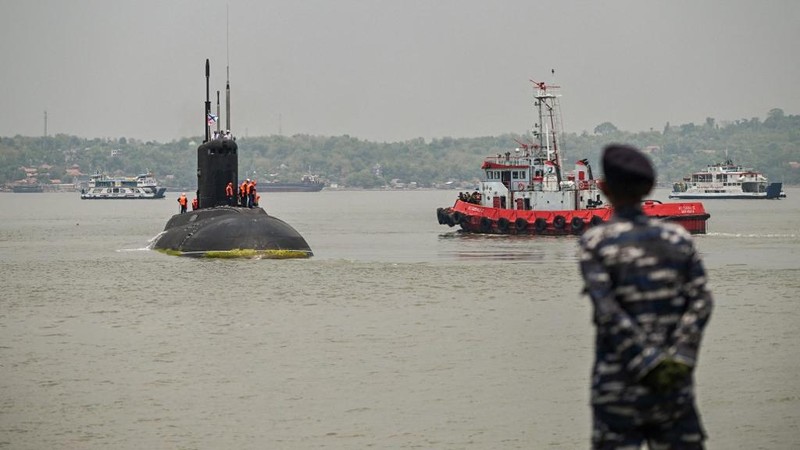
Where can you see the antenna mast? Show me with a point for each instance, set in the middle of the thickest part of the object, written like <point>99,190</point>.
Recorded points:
<point>208,101</point>
<point>227,74</point>
<point>218,121</point>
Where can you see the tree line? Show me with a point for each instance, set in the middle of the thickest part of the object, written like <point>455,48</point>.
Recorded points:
<point>771,145</point>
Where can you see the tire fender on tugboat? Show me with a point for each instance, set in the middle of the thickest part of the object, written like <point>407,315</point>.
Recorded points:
<point>440,215</point>
<point>596,220</point>
<point>577,224</point>
<point>521,224</point>
<point>559,222</point>
<point>486,224</point>
<point>457,217</point>
<point>502,224</point>
<point>540,224</point>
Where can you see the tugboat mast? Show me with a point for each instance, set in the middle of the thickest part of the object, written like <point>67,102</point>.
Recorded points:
<point>547,134</point>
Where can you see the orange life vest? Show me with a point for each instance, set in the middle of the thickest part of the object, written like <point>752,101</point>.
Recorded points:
<point>229,190</point>
<point>182,200</point>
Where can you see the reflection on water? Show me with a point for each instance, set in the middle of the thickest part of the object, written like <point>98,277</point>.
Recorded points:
<point>495,247</point>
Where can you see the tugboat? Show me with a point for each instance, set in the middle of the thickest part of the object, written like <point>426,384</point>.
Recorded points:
<point>529,192</point>
<point>218,226</point>
<point>726,180</point>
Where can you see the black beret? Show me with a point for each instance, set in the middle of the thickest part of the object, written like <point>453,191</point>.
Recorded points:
<point>625,163</point>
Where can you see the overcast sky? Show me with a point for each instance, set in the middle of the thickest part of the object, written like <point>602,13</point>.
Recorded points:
<point>390,70</point>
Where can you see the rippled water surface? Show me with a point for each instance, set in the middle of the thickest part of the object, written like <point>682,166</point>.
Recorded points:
<point>398,333</point>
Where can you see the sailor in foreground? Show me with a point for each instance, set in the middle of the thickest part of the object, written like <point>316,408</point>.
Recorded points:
<point>648,288</point>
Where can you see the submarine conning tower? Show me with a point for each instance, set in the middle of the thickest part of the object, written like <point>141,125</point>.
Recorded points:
<point>217,164</point>
<point>217,159</point>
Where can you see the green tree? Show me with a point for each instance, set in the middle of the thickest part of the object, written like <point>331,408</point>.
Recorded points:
<point>605,128</point>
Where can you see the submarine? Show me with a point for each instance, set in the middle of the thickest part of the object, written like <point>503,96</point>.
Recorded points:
<point>216,228</point>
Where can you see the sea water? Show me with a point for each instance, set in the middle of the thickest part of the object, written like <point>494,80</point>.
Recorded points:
<point>398,333</point>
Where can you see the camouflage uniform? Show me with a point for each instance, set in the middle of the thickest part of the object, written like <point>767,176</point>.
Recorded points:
<point>647,285</point>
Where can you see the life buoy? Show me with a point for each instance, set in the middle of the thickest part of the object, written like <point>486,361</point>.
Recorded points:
<point>502,224</point>
<point>583,184</point>
<point>577,224</point>
<point>559,222</point>
<point>540,224</point>
<point>521,225</point>
<point>596,220</point>
<point>486,224</point>
<point>520,186</point>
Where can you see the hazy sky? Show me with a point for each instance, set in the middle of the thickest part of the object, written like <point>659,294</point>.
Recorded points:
<point>390,70</point>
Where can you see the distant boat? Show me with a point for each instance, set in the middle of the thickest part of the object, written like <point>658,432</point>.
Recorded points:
<point>141,187</point>
<point>309,183</point>
<point>726,180</point>
<point>27,188</point>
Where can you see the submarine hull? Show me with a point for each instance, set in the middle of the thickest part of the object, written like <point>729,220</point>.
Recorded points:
<point>227,231</point>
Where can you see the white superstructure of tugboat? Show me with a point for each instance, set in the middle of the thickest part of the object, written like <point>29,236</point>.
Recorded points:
<point>726,180</point>
<point>143,187</point>
<point>528,191</point>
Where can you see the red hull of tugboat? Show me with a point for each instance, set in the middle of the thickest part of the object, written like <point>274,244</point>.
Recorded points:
<point>480,219</point>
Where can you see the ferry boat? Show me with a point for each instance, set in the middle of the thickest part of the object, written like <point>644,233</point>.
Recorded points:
<point>143,187</point>
<point>726,180</point>
<point>530,192</point>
